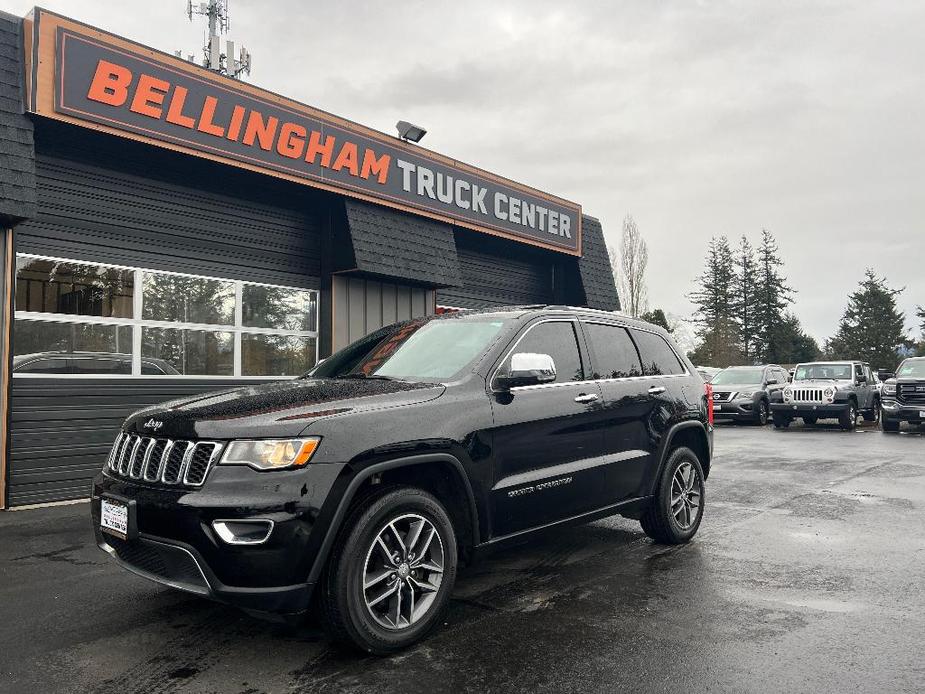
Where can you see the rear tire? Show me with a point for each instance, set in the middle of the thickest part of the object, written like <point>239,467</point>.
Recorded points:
<point>674,515</point>
<point>848,419</point>
<point>781,421</point>
<point>889,425</point>
<point>874,413</point>
<point>385,540</point>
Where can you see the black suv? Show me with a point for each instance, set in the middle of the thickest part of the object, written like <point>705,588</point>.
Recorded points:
<point>903,395</point>
<point>743,393</point>
<point>363,483</point>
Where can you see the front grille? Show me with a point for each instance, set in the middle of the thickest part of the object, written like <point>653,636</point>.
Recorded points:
<point>164,461</point>
<point>913,393</point>
<point>808,395</point>
<point>720,396</point>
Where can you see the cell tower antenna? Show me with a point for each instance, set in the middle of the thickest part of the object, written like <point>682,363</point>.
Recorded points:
<point>223,62</point>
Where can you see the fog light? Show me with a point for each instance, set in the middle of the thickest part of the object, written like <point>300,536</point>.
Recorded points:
<point>243,532</point>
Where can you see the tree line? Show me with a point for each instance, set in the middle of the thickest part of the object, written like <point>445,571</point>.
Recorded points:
<point>743,308</point>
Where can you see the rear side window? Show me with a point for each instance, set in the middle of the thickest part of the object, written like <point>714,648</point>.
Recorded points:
<point>658,359</point>
<point>614,353</point>
<point>557,339</point>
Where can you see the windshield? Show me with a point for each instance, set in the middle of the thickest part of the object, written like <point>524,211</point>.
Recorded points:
<point>736,377</point>
<point>836,372</point>
<point>419,350</point>
<point>912,369</point>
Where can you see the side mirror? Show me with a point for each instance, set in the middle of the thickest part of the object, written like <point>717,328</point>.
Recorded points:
<point>527,369</point>
<point>790,378</point>
<point>862,379</point>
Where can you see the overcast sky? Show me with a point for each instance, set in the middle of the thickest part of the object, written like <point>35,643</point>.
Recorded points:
<point>698,118</point>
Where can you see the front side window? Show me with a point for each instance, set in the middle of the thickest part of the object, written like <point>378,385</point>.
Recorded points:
<point>658,359</point>
<point>87,319</point>
<point>558,340</point>
<point>615,355</point>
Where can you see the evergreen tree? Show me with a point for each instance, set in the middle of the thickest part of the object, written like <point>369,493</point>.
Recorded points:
<point>872,328</point>
<point>745,299</point>
<point>714,299</point>
<point>794,345</point>
<point>773,296</point>
<point>657,317</point>
<point>920,312</point>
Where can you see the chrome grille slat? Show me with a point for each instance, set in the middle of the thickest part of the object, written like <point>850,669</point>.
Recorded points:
<point>129,454</point>
<point>808,395</point>
<point>140,457</point>
<point>161,460</point>
<point>153,462</point>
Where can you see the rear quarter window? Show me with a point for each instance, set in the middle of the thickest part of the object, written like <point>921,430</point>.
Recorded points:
<point>658,358</point>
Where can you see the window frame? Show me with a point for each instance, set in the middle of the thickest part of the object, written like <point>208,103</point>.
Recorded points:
<point>580,343</point>
<point>236,328</point>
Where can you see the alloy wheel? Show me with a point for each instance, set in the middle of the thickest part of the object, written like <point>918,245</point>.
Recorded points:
<point>763,413</point>
<point>685,495</point>
<point>403,571</point>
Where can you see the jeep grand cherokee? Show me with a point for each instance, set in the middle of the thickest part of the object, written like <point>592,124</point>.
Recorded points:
<point>362,484</point>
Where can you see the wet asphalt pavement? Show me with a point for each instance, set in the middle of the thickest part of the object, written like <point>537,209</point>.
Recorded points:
<point>808,574</point>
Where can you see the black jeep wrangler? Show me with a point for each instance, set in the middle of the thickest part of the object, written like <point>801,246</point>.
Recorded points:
<point>362,484</point>
<point>904,395</point>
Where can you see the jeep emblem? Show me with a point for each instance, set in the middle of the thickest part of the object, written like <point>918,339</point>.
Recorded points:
<point>153,424</point>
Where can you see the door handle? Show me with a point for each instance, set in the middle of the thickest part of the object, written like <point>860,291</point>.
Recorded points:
<point>586,397</point>
<point>656,390</point>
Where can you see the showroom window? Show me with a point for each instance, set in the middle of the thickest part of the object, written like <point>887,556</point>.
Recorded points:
<point>77,318</point>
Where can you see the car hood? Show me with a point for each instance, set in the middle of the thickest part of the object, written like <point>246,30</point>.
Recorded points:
<point>274,409</point>
<point>821,383</point>
<point>736,387</point>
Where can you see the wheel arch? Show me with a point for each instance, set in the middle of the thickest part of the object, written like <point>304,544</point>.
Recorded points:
<point>691,434</point>
<point>461,507</point>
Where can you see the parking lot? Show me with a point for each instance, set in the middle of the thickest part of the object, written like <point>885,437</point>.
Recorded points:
<point>808,574</point>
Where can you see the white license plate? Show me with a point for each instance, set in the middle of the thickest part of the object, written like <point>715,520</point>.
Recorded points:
<point>114,518</point>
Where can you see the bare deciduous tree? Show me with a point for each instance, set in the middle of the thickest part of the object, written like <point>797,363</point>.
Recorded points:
<point>629,268</point>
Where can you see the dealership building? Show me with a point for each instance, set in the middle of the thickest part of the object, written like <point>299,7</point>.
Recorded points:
<point>168,231</point>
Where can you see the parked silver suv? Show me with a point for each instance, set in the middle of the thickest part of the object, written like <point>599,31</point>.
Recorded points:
<point>828,390</point>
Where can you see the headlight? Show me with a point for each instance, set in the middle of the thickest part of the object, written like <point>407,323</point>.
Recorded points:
<point>746,394</point>
<point>271,454</point>
<point>788,393</point>
<point>889,389</point>
<point>829,392</point>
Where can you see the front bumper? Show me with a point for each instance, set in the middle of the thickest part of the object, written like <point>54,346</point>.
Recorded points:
<point>734,410</point>
<point>809,409</point>
<point>906,413</point>
<point>172,541</point>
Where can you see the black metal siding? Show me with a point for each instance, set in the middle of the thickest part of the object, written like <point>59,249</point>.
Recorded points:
<point>61,430</point>
<point>102,198</point>
<point>498,272</point>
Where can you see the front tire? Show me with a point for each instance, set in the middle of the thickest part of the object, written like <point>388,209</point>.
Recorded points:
<point>848,419</point>
<point>874,413</point>
<point>391,573</point>
<point>810,420</point>
<point>763,414</point>
<point>781,421</point>
<point>889,425</point>
<point>675,513</point>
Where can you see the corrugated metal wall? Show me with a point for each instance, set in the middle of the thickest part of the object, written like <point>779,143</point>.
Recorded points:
<point>361,306</point>
<point>110,200</point>
<point>61,431</point>
<point>498,272</point>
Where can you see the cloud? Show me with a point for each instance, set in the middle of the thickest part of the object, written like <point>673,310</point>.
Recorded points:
<point>699,118</point>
